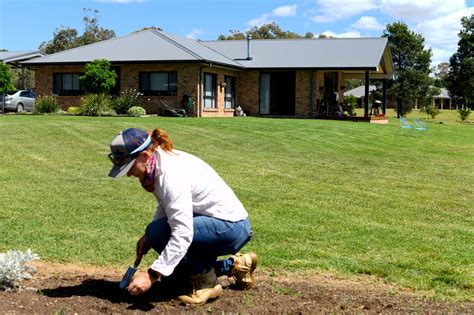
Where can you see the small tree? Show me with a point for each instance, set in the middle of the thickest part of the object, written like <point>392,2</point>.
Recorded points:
<point>98,77</point>
<point>5,81</point>
<point>464,113</point>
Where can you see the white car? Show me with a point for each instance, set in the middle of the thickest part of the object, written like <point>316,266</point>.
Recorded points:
<point>18,101</point>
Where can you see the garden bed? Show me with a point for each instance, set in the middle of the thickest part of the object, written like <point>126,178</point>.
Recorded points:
<point>77,289</point>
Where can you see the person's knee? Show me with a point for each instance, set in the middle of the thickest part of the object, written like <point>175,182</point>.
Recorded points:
<point>158,234</point>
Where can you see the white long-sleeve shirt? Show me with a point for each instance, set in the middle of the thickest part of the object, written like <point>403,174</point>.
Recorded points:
<point>185,185</point>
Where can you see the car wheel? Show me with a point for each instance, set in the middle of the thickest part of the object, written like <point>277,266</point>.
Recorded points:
<point>19,108</point>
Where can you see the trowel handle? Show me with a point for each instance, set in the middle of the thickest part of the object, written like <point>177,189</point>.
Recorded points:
<point>137,261</point>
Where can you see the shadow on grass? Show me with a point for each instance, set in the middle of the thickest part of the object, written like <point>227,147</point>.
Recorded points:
<point>110,291</point>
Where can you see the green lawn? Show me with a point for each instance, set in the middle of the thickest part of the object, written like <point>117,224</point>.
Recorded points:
<point>344,197</point>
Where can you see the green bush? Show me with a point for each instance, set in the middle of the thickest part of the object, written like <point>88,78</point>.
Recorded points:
<point>431,110</point>
<point>136,111</point>
<point>126,100</point>
<point>96,105</point>
<point>74,110</point>
<point>98,77</point>
<point>351,102</point>
<point>464,113</point>
<point>47,104</point>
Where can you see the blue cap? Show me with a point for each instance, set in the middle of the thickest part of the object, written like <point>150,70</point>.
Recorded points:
<point>125,147</point>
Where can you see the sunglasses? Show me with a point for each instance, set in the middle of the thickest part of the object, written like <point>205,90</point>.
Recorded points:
<point>120,159</point>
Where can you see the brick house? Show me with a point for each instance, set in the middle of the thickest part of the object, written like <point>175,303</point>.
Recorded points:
<point>290,78</point>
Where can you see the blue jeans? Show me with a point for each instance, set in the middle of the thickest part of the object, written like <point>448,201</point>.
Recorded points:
<point>212,238</point>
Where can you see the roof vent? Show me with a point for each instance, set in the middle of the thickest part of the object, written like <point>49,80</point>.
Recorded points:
<point>249,55</point>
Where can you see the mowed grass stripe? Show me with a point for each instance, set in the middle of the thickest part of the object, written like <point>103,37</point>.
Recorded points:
<point>323,195</point>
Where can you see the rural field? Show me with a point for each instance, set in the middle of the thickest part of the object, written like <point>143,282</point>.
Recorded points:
<point>347,216</point>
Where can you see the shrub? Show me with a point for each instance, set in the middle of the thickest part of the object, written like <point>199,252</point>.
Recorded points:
<point>126,100</point>
<point>96,105</point>
<point>74,110</point>
<point>47,104</point>
<point>431,110</point>
<point>13,268</point>
<point>464,113</point>
<point>351,102</point>
<point>98,77</point>
<point>136,111</point>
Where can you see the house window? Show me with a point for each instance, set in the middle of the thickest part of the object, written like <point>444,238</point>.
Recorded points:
<point>67,84</point>
<point>229,92</point>
<point>209,90</point>
<point>158,83</point>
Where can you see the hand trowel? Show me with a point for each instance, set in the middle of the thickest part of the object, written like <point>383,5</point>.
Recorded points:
<point>127,277</point>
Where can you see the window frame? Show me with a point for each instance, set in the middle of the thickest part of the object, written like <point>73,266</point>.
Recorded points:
<point>213,97</point>
<point>149,92</point>
<point>67,92</point>
<point>230,84</point>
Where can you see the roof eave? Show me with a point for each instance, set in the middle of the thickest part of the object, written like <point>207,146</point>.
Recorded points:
<point>75,63</point>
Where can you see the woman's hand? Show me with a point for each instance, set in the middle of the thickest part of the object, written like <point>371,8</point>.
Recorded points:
<point>140,283</point>
<point>142,248</point>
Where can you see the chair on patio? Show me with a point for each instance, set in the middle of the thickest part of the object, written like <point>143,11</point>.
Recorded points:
<point>404,124</point>
<point>419,125</point>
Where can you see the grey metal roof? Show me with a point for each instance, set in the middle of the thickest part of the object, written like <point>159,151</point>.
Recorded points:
<point>443,93</point>
<point>359,91</point>
<point>144,46</point>
<point>335,53</point>
<point>157,46</point>
<point>17,56</point>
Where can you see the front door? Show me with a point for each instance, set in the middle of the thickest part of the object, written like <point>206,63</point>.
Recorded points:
<point>277,93</point>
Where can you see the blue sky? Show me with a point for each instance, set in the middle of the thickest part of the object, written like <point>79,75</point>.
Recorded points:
<point>24,24</point>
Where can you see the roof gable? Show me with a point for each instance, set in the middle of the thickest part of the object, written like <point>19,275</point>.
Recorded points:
<point>144,46</point>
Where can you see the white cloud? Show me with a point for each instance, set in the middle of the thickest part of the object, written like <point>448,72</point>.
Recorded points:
<point>443,30</point>
<point>283,11</point>
<point>342,35</point>
<point>195,33</point>
<point>419,10</point>
<point>441,34</point>
<point>335,10</point>
<point>120,1</point>
<point>440,55</point>
<point>368,23</point>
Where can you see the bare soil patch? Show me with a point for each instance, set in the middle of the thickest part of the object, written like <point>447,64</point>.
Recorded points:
<point>70,289</point>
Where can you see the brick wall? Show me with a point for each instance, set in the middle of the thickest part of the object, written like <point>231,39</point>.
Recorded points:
<point>44,82</point>
<point>188,77</point>
<point>248,91</point>
<point>308,92</point>
<point>306,95</point>
<point>220,73</point>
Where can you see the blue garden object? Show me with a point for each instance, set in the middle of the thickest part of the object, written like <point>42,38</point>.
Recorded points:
<point>419,125</point>
<point>404,124</point>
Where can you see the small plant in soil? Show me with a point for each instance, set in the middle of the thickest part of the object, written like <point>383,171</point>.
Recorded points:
<point>13,268</point>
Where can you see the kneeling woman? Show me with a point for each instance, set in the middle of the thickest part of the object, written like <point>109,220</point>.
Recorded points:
<point>197,219</point>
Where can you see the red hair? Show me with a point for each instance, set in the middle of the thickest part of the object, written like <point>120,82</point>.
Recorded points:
<point>160,139</point>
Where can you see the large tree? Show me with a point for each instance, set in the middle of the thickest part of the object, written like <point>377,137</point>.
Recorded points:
<point>266,31</point>
<point>411,63</point>
<point>460,78</point>
<point>440,74</point>
<point>67,37</point>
